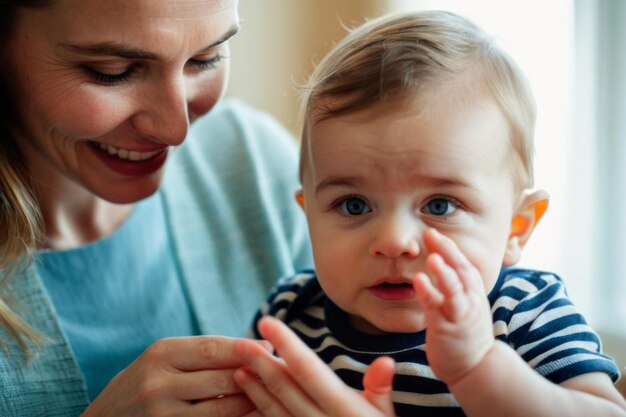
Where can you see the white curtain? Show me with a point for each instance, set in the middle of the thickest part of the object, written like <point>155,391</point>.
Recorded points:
<point>600,202</point>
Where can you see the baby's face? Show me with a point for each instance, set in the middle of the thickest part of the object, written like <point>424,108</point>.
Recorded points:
<point>375,181</point>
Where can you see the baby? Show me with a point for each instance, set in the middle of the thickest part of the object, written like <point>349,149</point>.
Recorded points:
<point>417,176</point>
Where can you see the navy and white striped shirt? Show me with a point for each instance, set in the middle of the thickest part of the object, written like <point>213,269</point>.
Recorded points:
<point>531,313</point>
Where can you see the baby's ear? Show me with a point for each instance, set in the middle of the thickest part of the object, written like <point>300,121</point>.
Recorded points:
<point>299,197</point>
<point>531,207</point>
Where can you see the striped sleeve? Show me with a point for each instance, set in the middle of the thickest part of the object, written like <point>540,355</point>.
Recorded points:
<point>546,329</point>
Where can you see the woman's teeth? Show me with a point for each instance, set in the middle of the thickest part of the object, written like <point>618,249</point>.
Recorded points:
<point>126,154</point>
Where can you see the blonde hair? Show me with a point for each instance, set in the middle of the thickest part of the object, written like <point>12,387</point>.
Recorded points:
<point>20,217</point>
<point>20,223</point>
<point>386,61</point>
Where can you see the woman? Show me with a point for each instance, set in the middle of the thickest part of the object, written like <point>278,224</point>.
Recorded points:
<point>122,225</point>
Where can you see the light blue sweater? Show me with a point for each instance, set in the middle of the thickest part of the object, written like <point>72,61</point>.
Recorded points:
<point>142,297</point>
<point>228,198</point>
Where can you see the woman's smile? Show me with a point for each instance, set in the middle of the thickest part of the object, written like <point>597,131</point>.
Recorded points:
<point>130,162</point>
<point>128,154</point>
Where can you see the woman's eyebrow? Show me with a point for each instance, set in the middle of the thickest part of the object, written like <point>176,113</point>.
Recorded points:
<point>226,36</point>
<point>128,51</point>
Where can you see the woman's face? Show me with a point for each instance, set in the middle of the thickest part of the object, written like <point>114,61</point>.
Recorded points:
<point>105,89</point>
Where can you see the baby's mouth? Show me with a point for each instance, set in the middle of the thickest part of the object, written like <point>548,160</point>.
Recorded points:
<point>393,291</point>
<point>395,285</point>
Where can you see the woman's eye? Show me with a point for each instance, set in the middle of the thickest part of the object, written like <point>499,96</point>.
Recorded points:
<point>113,77</point>
<point>109,78</point>
<point>354,206</point>
<point>440,207</point>
<point>209,63</point>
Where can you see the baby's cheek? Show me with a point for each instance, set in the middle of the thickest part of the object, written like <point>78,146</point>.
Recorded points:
<point>486,263</point>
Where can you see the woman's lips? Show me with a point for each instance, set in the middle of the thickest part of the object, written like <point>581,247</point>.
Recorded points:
<point>131,163</point>
<point>393,291</point>
<point>133,155</point>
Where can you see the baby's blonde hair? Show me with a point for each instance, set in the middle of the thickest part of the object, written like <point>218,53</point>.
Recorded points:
<point>387,61</point>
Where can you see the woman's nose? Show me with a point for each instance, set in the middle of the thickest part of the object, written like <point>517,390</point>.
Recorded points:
<point>396,237</point>
<point>162,112</point>
<point>202,95</point>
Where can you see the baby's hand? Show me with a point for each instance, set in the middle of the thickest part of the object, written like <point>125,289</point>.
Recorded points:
<point>459,330</point>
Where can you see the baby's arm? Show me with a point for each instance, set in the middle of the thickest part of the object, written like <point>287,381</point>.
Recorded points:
<point>486,376</point>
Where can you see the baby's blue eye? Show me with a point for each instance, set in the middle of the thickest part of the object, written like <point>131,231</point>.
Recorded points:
<point>440,207</point>
<point>354,206</point>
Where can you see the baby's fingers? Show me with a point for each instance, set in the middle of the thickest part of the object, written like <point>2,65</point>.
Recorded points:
<point>377,384</point>
<point>429,296</point>
<point>278,394</point>
<point>455,302</point>
<point>311,375</point>
<point>267,405</point>
<point>452,256</point>
<point>447,279</point>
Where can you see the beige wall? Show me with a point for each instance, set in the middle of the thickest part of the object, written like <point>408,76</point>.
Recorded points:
<point>279,42</point>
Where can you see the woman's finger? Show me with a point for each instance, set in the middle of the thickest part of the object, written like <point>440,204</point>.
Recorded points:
<point>233,405</point>
<point>194,353</point>
<point>199,385</point>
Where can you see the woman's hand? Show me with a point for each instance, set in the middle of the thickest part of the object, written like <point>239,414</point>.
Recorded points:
<point>300,384</point>
<point>190,376</point>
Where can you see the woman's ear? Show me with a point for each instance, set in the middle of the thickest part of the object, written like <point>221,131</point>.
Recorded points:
<point>299,197</point>
<point>530,209</point>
